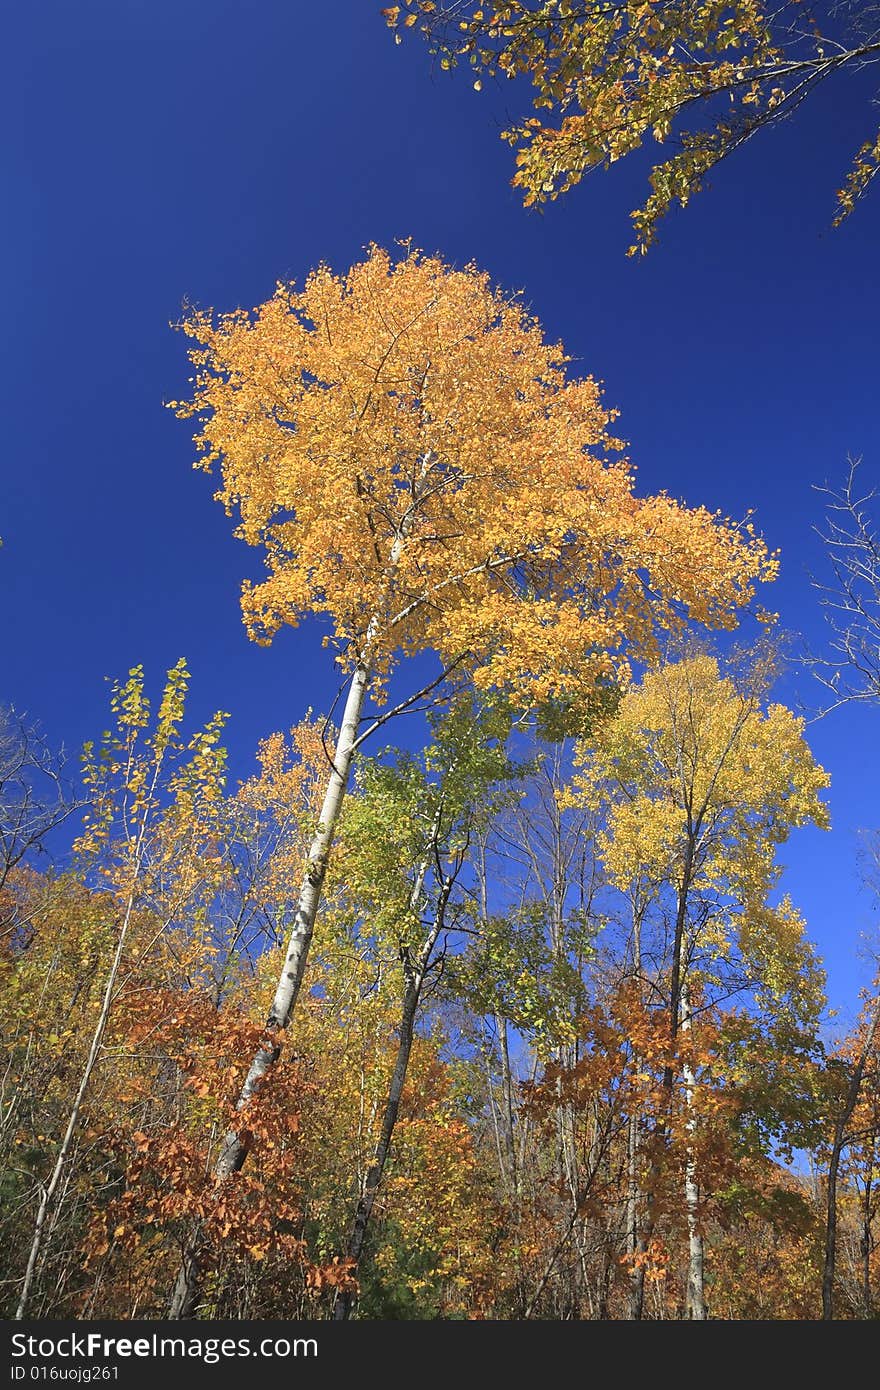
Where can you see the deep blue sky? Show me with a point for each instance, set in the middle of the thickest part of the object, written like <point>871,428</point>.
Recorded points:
<point>157,152</point>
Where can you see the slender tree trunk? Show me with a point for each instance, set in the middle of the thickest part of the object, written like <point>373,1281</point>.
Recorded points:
<point>414,977</point>
<point>867,1302</point>
<point>637,1292</point>
<point>696,1295</point>
<point>234,1151</point>
<point>830,1265</point>
<point>839,1143</point>
<point>635,1242</point>
<point>47,1198</point>
<point>507,1085</point>
<point>677,976</point>
<point>508,1166</point>
<point>608,1262</point>
<point>345,1301</point>
<point>485,1049</point>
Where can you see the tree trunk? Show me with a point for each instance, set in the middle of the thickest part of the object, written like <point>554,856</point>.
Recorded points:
<point>414,978</point>
<point>677,977</point>
<point>234,1150</point>
<point>47,1198</point>
<point>508,1166</point>
<point>637,1290</point>
<point>507,1092</point>
<point>866,1243</point>
<point>345,1301</point>
<point>850,1102</point>
<point>635,1243</point>
<point>49,1191</point>
<point>830,1265</point>
<point>696,1295</point>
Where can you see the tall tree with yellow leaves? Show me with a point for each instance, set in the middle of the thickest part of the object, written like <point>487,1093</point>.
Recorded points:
<point>703,780</point>
<point>410,455</point>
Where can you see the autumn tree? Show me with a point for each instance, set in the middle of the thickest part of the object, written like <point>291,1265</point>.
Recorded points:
<point>219,897</point>
<point>572,1248</point>
<point>703,781</point>
<point>850,672</point>
<point>57,953</point>
<point>407,842</point>
<point>701,77</point>
<point>408,452</point>
<point>124,846</point>
<point>853,1072</point>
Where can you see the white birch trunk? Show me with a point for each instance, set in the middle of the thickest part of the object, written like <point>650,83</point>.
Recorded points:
<point>696,1296</point>
<point>296,957</point>
<point>233,1151</point>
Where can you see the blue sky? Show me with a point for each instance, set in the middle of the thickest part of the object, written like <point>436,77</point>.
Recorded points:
<point>201,150</point>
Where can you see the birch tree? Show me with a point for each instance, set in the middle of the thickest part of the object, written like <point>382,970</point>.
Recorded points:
<point>408,452</point>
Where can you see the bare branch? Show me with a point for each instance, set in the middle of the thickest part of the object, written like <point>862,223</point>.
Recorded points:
<point>851,600</point>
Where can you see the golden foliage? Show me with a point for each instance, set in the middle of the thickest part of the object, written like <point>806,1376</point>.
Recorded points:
<point>410,454</point>
<point>608,78</point>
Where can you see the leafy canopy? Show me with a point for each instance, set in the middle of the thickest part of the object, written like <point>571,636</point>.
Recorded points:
<point>700,784</point>
<point>410,454</point>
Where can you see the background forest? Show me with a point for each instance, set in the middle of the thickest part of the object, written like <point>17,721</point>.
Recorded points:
<point>466,943</point>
